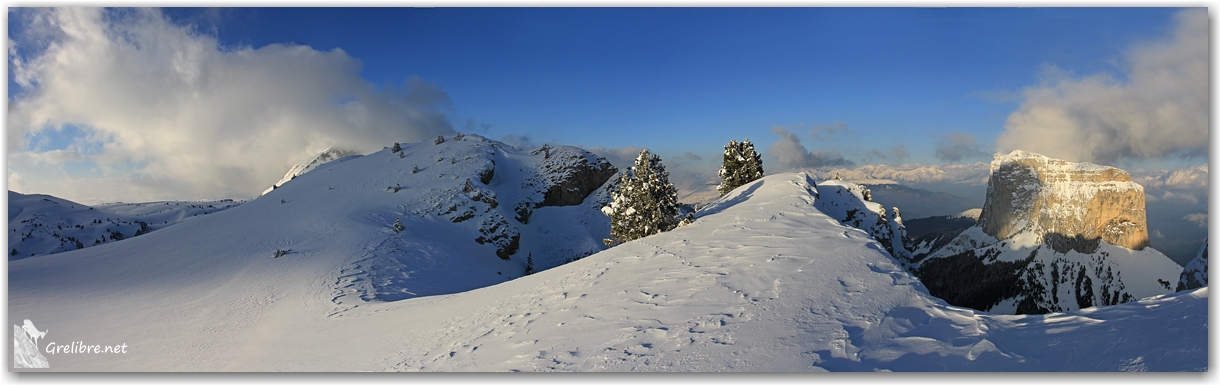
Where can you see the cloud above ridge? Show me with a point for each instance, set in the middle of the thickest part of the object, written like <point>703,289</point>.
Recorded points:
<point>166,112</point>
<point>1158,106</point>
<point>957,145</point>
<point>789,153</point>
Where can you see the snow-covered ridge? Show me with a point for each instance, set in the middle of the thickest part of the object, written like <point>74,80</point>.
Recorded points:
<point>43,224</point>
<point>311,162</point>
<point>762,281</point>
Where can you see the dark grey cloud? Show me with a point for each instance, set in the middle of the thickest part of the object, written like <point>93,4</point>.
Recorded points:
<point>829,131</point>
<point>474,126</point>
<point>789,153</point>
<point>955,146</point>
<point>524,141</point>
<point>892,155</point>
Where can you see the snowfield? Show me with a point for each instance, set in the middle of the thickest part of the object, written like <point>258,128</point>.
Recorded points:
<point>761,281</point>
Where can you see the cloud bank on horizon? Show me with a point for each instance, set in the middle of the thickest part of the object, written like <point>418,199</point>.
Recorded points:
<point>164,112</point>
<point>1156,108</point>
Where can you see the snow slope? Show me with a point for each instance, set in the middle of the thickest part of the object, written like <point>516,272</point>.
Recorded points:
<point>43,224</point>
<point>762,281</point>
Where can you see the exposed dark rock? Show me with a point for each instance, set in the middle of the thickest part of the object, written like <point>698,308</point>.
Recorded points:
<point>1063,244</point>
<point>487,173</point>
<point>524,210</point>
<point>571,174</point>
<point>1194,275</point>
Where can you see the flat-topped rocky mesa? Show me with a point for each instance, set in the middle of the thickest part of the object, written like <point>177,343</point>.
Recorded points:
<point>1068,205</point>
<point>1053,236</point>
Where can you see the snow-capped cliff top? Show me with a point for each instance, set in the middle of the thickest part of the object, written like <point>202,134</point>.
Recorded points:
<point>1050,163</point>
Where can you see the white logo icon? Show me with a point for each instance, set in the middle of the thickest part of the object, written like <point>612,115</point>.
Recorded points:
<point>33,332</point>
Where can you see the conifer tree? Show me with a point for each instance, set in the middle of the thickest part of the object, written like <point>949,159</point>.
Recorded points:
<point>646,203</point>
<point>742,164</point>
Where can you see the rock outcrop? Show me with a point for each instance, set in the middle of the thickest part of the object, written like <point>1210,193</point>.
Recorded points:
<point>1079,202</point>
<point>570,174</point>
<point>1053,236</point>
<point>1194,275</point>
<point>25,352</point>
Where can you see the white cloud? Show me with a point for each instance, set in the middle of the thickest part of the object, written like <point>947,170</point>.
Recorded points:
<point>1157,108</point>
<point>1170,196</point>
<point>176,116</point>
<point>1179,186</point>
<point>1197,218</point>
<point>1194,177</point>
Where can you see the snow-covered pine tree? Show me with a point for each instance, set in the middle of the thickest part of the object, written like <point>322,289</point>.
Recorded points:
<point>754,165</point>
<point>742,164</point>
<point>646,203</point>
<point>730,167</point>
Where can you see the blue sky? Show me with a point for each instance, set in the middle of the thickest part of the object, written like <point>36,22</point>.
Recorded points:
<point>690,79</point>
<point>854,85</point>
